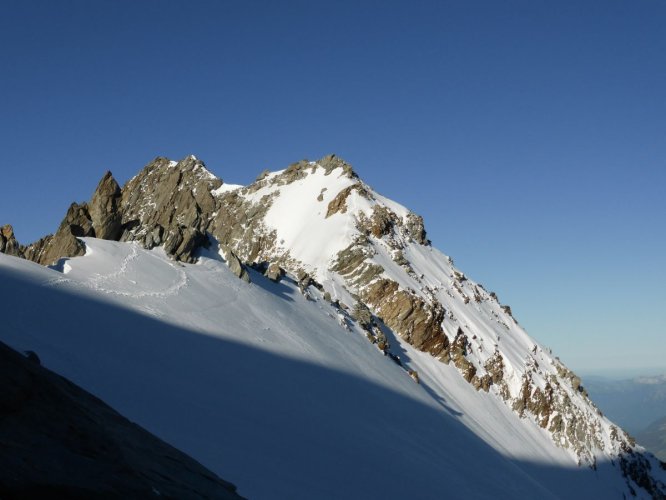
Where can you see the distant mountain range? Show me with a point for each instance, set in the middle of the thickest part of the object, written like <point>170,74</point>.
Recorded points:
<point>637,404</point>
<point>301,337</point>
<point>633,403</point>
<point>653,437</point>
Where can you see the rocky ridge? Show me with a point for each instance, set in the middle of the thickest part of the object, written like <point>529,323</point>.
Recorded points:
<point>320,223</point>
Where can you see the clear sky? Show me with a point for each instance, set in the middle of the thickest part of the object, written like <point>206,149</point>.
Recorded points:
<point>529,134</point>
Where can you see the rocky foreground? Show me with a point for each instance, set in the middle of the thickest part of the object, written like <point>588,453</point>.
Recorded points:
<point>59,441</point>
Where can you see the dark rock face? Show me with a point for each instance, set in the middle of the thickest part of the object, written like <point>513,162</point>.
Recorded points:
<point>105,209</point>
<point>59,441</point>
<point>637,468</point>
<point>8,243</point>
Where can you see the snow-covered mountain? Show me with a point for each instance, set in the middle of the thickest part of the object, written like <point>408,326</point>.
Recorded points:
<point>352,360</point>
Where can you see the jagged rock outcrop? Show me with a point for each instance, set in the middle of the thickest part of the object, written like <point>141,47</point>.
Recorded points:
<point>99,218</point>
<point>170,203</point>
<point>8,243</point>
<point>339,203</point>
<point>332,162</point>
<point>459,350</point>
<point>416,229</point>
<point>104,209</point>
<point>59,441</point>
<point>415,321</point>
<point>238,224</point>
<point>63,243</point>
<point>78,221</point>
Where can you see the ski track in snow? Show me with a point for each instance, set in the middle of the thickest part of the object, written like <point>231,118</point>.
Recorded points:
<point>96,282</point>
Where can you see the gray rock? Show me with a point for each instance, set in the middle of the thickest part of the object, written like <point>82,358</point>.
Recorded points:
<point>274,272</point>
<point>331,162</point>
<point>192,240</point>
<point>416,228</point>
<point>235,264</point>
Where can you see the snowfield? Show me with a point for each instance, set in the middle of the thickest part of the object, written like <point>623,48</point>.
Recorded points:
<point>279,393</point>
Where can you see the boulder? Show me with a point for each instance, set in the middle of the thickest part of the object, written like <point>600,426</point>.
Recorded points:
<point>234,263</point>
<point>274,272</point>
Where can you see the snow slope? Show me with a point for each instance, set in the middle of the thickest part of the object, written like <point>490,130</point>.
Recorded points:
<point>281,394</point>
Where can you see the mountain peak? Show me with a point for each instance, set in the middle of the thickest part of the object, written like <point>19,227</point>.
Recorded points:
<point>322,225</point>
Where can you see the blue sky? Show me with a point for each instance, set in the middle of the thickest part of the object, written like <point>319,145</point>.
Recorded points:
<point>529,134</point>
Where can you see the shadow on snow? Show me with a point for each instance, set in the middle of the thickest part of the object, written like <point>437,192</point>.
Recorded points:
<point>277,427</point>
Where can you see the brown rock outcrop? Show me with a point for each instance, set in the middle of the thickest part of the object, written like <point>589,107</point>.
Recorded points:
<point>339,203</point>
<point>8,243</point>
<point>171,203</point>
<point>64,242</point>
<point>104,209</point>
<point>417,322</point>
